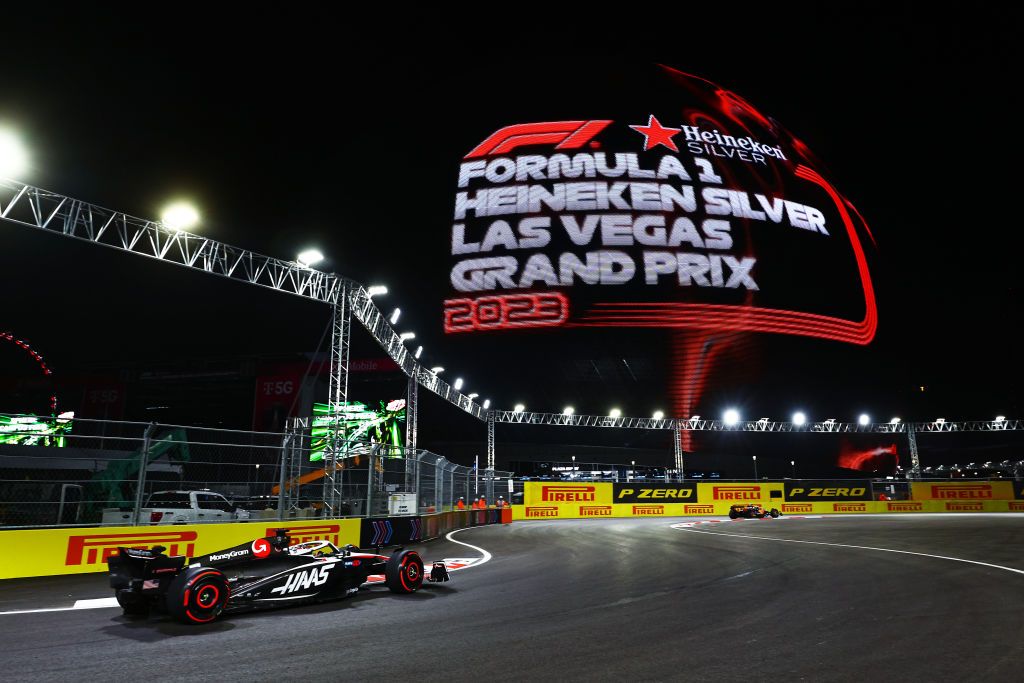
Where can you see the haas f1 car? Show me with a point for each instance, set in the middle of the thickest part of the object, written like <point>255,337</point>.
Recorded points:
<point>268,572</point>
<point>752,510</point>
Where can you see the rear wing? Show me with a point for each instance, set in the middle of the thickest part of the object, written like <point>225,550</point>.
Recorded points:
<point>136,564</point>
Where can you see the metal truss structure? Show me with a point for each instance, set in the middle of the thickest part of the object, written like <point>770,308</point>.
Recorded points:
<point>763,425</point>
<point>44,210</point>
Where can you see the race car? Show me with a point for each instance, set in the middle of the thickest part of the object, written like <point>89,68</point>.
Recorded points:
<point>268,572</point>
<point>752,510</point>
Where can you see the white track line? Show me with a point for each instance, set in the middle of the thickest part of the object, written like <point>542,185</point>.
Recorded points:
<point>486,555</point>
<point>857,547</point>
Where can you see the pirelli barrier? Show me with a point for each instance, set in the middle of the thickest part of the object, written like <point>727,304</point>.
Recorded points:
<point>47,552</point>
<point>571,500</point>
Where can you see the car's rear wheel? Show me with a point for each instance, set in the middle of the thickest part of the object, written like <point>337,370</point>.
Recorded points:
<point>404,572</point>
<point>733,514</point>
<point>198,595</point>
<point>131,604</point>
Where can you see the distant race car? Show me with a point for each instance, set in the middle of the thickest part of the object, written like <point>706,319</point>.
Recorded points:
<point>751,510</point>
<point>268,572</point>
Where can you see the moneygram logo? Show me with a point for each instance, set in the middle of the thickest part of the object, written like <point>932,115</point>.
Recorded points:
<point>595,511</point>
<point>95,548</point>
<point>567,493</point>
<point>943,491</point>
<point>905,507</point>
<point>699,509</point>
<point>850,507</point>
<point>324,532</point>
<point>230,555</point>
<point>541,511</point>
<point>797,507</point>
<point>737,493</point>
<point>640,510</point>
<point>965,507</point>
<point>261,548</point>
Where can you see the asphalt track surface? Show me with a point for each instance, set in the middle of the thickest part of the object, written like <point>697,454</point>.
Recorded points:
<point>629,599</point>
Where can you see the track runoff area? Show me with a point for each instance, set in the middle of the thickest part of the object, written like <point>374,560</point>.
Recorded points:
<point>915,597</point>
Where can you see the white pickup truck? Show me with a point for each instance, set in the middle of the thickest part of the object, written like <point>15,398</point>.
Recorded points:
<point>178,507</point>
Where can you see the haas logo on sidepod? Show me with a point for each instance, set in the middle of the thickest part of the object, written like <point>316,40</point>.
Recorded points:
<point>301,580</point>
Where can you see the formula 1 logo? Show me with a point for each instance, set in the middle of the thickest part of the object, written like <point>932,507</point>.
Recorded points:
<point>323,532</point>
<point>962,491</point>
<point>95,548</point>
<point>568,493</point>
<point>541,511</point>
<point>561,134</point>
<point>304,579</point>
<point>737,493</point>
<point>905,507</point>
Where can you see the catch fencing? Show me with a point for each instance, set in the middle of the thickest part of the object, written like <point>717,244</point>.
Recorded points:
<point>104,473</point>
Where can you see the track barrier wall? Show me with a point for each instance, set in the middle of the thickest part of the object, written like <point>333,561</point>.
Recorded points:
<point>48,552</point>
<point>578,500</point>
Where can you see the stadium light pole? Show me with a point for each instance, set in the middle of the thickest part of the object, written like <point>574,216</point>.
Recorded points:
<point>395,314</point>
<point>518,408</point>
<point>458,384</point>
<point>799,419</point>
<point>615,413</point>
<point>755,467</point>
<point>568,410</point>
<point>376,290</point>
<point>864,420</point>
<point>792,463</point>
<point>658,415</point>
<point>731,417</point>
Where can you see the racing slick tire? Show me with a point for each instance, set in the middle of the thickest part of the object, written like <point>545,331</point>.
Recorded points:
<point>404,572</point>
<point>733,514</point>
<point>774,513</point>
<point>131,605</point>
<point>198,595</point>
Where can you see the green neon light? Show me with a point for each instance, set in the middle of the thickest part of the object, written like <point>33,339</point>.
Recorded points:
<point>356,425</point>
<point>29,430</point>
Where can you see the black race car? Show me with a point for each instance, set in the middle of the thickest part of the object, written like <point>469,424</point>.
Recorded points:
<point>752,510</point>
<point>268,572</point>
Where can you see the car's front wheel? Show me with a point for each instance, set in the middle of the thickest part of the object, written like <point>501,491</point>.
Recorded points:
<point>404,572</point>
<point>775,513</point>
<point>198,595</point>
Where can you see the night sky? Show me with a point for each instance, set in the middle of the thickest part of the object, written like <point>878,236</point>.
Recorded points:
<point>320,129</point>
